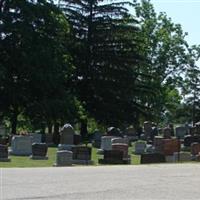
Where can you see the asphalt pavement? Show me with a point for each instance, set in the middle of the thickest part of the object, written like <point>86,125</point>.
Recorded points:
<point>142,182</point>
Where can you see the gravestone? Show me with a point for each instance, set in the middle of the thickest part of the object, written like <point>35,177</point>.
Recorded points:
<point>181,131</point>
<point>170,146</point>
<point>106,142</point>
<point>189,139</point>
<point>140,147</point>
<point>152,158</point>
<point>36,138</point>
<point>65,147</point>
<point>63,158</point>
<point>195,148</point>
<point>96,140</point>
<point>39,151</point>
<point>121,147</point>
<point>21,145</point>
<point>169,159</point>
<point>67,134</point>
<point>150,149</point>
<point>130,131</point>
<point>159,144</point>
<point>182,156</point>
<point>112,131</point>
<point>147,129</point>
<point>82,155</point>
<point>4,153</point>
<point>120,141</point>
<point>167,133</point>
<point>113,157</point>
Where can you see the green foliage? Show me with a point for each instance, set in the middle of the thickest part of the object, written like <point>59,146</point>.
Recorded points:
<point>35,64</point>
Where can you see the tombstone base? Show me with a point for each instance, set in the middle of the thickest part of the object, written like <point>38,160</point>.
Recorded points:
<point>39,157</point>
<point>5,159</point>
<point>15,153</point>
<point>83,162</point>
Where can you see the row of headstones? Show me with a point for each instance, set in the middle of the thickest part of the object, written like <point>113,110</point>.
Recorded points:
<point>38,151</point>
<point>71,154</point>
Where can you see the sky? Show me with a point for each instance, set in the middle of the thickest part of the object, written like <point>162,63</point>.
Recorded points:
<point>184,12</point>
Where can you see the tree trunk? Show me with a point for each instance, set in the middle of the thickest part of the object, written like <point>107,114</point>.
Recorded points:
<point>14,122</point>
<point>56,135</point>
<point>84,131</point>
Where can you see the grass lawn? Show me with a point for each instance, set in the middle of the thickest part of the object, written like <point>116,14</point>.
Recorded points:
<point>25,161</point>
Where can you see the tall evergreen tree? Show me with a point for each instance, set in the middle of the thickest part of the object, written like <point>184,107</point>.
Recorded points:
<point>105,52</point>
<point>35,65</point>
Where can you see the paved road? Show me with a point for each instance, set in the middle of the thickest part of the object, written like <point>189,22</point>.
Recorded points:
<point>169,181</point>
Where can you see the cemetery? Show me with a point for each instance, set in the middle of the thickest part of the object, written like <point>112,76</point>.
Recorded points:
<point>109,148</point>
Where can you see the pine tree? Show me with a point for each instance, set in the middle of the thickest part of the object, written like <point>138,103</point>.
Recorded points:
<point>105,52</point>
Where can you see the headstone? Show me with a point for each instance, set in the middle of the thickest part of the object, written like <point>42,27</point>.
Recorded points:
<point>39,151</point>
<point>182,156</point>
<point>36,138</point>
<point>130,131</point>
<point>192,131</point>
<point>63,158</point>
<point>120,140</point>
<point>4,153</point>
<point>112,157</point>
<point>65,147</point>
<point>140,147</point>
<point>106,142</point>
<point>121,147</point>
<point>82,155</point>
<point>112,131</point>
<point>169,159</point>
<point>181,131</point>
<point>147,129</point>
<point>159,144</point>
<point>67,134</point>
<point>150,149</point>
<point>96,140</point>
<point>195,148</point>
<point>189,139</point>
<point>152,158</point>
<point>167,133</point>
<point>170,146</point>
<point>21,145</point>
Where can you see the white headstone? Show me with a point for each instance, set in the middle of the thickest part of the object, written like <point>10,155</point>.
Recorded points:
<point>21,145</point>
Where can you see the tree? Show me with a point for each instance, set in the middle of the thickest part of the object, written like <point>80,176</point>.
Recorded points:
<point>166,50</point>
<point>105,52</point>
<point>191,84</point>
<point>35,63</point>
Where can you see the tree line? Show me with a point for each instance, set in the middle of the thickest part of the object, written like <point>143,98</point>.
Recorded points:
<point>73,61</point>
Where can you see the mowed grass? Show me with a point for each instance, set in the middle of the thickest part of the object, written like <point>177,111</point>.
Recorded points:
<point>25,161</point>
